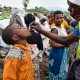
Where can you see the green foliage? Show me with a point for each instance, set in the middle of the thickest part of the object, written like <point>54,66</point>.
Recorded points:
<point>25,4</point>
<point>42,10</point>
<point>4,17</point>
<point>39,10</point>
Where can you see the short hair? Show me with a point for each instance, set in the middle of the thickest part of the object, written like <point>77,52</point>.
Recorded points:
<point>7,35</point>
<point>58,12</point>
<point>29,18</point>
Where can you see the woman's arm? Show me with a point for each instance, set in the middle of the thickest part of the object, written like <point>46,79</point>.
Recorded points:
<point>68,29</point>
<point>65,41</point>
<point>55,45</point>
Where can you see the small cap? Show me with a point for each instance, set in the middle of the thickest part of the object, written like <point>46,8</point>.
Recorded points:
<point>77,2</point>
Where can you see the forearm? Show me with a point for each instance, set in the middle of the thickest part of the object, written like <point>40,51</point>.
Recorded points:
<point>65,41</point>
<point>68,29</point>
<point>55,45</point>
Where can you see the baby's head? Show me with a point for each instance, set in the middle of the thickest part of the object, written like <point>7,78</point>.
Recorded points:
<point>28,19</point>
<point>14,33</point>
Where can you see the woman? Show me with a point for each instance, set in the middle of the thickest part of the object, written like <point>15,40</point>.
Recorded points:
<point>58,58</point>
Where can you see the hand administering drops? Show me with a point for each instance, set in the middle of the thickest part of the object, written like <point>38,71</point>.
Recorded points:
<point>36,26</point>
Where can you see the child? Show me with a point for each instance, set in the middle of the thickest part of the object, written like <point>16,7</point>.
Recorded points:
<point>17,64</point>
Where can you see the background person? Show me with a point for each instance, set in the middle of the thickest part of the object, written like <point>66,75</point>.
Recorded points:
<point>59,54</point>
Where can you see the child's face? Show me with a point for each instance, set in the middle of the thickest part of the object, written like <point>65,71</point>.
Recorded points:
<point>21,31</point>
<point>58,19</point>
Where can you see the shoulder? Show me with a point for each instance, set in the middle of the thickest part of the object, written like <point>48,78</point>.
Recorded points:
<point>52,25</point>
<point>15,53</point>
<point>65,22</point>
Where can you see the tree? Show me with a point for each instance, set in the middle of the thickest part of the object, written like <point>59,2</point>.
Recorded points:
<point>25,3</point>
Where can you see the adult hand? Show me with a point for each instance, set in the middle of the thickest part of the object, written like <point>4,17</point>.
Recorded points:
<point>36,26</point>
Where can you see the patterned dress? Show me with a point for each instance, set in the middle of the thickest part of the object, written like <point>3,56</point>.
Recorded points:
<point>35,55</point>
<point>59,60</point>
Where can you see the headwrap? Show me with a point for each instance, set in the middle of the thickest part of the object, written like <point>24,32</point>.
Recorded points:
<point>77,2</point>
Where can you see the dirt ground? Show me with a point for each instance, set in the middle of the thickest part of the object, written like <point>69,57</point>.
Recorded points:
<point>1,68</point>
<point>44,68</point>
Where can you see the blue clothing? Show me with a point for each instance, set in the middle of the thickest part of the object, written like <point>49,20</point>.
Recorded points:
<point>58,60</point>
<point>64,64</point>
<point>75,31</point>
<point>55,59</point>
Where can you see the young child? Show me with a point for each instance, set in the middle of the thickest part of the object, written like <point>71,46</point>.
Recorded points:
<point>17,64</point>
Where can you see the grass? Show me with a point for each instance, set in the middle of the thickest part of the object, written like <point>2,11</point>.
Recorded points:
<point>4,17</point>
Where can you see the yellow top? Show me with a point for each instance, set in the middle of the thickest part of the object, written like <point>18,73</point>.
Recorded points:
<point>18,64</point>
<point>64,24</point>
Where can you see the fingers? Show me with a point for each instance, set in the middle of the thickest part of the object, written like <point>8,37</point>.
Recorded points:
<point>31,23</point>
<point>34,24</point>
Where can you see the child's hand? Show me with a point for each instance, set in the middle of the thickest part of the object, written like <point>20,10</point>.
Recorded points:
<point>36,26</point>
